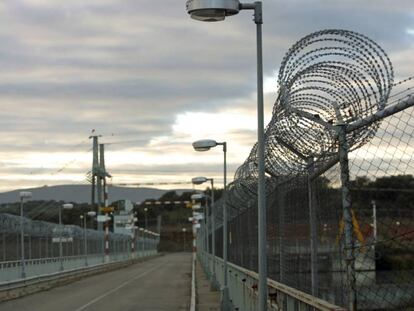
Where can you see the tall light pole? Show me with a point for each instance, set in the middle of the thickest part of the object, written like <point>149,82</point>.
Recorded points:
<point>205,145</point>
<point>23,195</point>
<point>134,234</point>
<point>64,206</point>
<point>85,243</point>
<point>146,219</point>
<point>217,10</point>
<point>85,247</point>
<point>198,181</point>
<point>146,241</point>
<point>142,238</point>
<point>184,230</point>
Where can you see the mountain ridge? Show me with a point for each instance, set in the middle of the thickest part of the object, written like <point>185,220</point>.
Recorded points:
<point>82,193</point>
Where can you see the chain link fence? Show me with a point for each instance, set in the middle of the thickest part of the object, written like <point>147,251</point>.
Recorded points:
<point>339,178</point>
<point>80,247</point>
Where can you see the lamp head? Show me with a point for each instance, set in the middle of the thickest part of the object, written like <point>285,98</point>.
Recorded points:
<point>212,10</point>
<point>197,196</point>
<point>67,206</point>
<point>204,144</point>
<point>25,194</point>
<point>198,180</point>
<point>91,213</point>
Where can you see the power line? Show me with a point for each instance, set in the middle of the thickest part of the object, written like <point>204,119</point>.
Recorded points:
<point>152,183</point>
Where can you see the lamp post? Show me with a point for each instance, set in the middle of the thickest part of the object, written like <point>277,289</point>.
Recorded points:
<point>23,195</point>
<point>184,230</point>
<point>142,237</point>
<point>134,234</point>
<point>198,181</point>
<point>85,243</point>
<point>146,235</point>
<point>64,206</point>
<point>146,218</point>
<point>217,10</point>
<point>205,145</point>
<point>83,223</point>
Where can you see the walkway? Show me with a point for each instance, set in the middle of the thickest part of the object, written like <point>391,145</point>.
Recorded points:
<point>207,299</point>
<point>159,284</point>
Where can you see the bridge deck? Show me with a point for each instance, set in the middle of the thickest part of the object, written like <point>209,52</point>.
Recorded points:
<point>159,284</point>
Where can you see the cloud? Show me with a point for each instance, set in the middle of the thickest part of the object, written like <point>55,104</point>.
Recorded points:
<point>140,72</point>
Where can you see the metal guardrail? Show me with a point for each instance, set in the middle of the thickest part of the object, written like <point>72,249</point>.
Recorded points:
<point>243,286</point>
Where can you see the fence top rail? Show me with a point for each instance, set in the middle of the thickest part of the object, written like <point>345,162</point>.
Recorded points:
<point>51,259</point>
<point>308,299</point>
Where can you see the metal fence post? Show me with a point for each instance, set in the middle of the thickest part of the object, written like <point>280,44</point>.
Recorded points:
<point>207,240</point>
<point>313,228</point>
<point>4,246</point>
<point>23,272</point>
<point>214,284</point>
<point>282,259</point>
<point>347,218</point>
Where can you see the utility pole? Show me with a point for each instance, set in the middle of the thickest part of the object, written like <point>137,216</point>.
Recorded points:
<point>102,183</point>
<point>94,175</point>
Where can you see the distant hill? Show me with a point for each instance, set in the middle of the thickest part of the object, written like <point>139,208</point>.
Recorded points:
<point>82,193</point>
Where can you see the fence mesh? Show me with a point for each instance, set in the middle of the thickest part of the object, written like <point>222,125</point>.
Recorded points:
<point>41,240</point>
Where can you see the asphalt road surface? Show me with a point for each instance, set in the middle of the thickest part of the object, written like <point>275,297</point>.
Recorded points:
<point>158,284</point>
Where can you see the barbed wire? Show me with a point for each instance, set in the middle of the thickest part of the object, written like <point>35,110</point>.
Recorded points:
<point>327,78</point>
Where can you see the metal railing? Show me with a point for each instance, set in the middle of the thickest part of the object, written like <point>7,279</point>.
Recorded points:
<point>243,285</point>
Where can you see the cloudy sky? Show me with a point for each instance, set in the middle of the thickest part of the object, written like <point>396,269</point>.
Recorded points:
<point>151,81</point>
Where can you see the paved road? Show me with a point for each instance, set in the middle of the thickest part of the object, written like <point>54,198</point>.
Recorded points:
<point>159,284</point>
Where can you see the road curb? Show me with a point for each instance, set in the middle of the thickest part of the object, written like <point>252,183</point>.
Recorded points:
<point>193,287</point>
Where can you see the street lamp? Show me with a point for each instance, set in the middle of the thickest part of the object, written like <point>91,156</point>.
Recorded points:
<point>143,241</point>
<point>146,220</point>
<point>67,206</point>
<point>212,10</point>
<point>145,232</point>
<point>198,181</point>
<point>205,145</point>
<point>85,244</point>
<point>23,195</point>
<point>184,230</point>
<point>197,196</point>
<point>217,10</point>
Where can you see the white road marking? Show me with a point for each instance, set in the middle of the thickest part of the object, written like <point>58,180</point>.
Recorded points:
<point>116,288</point>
